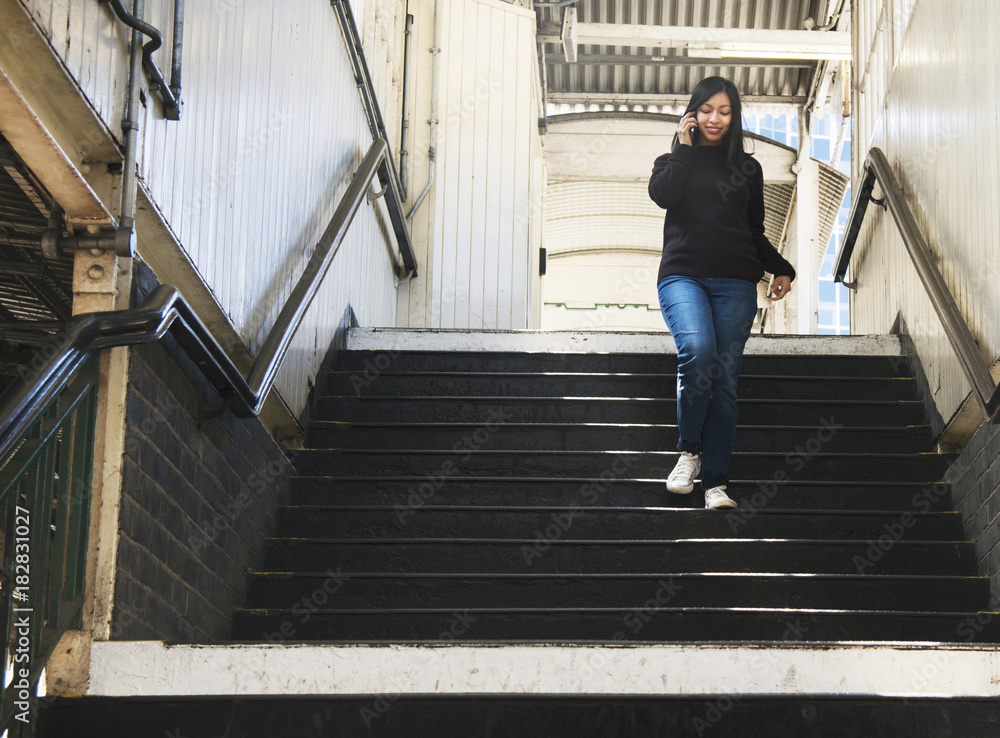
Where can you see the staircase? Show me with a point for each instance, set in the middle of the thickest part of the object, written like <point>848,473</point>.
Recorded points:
<point>502,496</point>
<point>479,543</point>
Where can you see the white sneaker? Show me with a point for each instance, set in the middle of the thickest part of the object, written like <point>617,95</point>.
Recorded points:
<point>681,479</point>
<point>716,497</point>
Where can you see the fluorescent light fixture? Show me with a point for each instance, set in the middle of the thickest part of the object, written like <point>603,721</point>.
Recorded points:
<point>764,51</point>
<point>568,34</point>
<point>816,54</point>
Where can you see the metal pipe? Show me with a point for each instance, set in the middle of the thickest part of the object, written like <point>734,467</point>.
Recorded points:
<point>388,176</point>
<point>403,152</point>
<point>177,57</point>
<point>130,126</point>
<point>171,100</point>
<point>432,150</point>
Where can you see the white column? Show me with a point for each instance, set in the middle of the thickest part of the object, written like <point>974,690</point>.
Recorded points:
<point>806,290</point>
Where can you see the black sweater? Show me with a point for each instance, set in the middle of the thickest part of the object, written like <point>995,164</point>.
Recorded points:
<point>714,226</point>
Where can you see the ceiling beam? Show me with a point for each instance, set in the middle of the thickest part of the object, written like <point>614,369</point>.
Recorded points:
<point>677,61</point>
<point>653,98</point>
<point>763,43</point>
<point>29,137</point>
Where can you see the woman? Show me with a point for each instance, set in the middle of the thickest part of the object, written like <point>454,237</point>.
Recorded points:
<point>714,253</point>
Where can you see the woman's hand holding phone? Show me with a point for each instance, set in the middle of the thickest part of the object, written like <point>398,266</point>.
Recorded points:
<point>684,128</point>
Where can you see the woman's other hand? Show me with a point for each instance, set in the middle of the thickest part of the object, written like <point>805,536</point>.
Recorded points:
<point>684,128</point>
<point>780,287</point>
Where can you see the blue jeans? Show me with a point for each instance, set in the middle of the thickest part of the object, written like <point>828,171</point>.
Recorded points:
<point>710,319</point>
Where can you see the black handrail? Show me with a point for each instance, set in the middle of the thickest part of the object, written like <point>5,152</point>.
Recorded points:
<point>877,169</point>
<point>167,310</point>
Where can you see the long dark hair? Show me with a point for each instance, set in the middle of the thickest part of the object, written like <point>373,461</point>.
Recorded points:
<point>732,142</point>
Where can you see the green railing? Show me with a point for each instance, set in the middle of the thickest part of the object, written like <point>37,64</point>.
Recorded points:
<point>45,494</point>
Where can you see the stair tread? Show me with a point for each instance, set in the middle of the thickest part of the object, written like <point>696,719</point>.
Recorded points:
<point>616,452</point>
<point>618,575</point>
<point>612,398</point>
<point>444,373</point>
<point>615,541</point>
<point>578,509</point>
<point>440,424</point>
<point>598,609</point>
<point>507,480</point>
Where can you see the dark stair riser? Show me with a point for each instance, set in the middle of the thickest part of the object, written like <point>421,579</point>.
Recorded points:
<point>367,366</point>
<point>610,437</point>
<point>546,591</point>
<point>627,465</point>
<point>591,385</point>
<point>518,492</point>
<point>648,624</point>
<point>461,716</point>
<point>582,523</point>
<point>492,411</point>
<point>561,557</point>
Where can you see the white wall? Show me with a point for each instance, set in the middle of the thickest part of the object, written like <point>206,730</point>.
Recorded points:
<point>475,233</point>
<point>272,131</point>
<point>928,93</point>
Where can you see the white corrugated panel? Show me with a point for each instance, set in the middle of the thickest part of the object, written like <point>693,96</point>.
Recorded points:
<point>272,131</point>
<point>473,232</point>
<point>94,48</point>
<point>938,124</point>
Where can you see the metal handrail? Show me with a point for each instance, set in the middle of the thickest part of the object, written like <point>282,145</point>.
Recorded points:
<point>167,310</point>
<point>272,351</point>
<point>369,100</point>
<point>45,491</point>
<point>877,169</point>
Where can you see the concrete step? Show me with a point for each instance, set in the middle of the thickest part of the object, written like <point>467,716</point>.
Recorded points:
<point>873,466</point>
<point>493,410</point>
<point>606,436</point>
<point>580,384</point>
<point>606,523</point>
<point>539,555</point>
<point>751,494</point>
<point>395,590</point>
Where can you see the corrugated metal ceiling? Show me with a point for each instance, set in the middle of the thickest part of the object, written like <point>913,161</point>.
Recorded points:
<point>640,76</point>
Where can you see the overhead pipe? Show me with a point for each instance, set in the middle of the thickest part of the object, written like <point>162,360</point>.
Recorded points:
<point>130,125</point>
<point>169,94</point>
<point>387,174</point>
<point>403,151</point>
<point>122,239</point>
<point>177,55</point>
<point>432,149</point>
